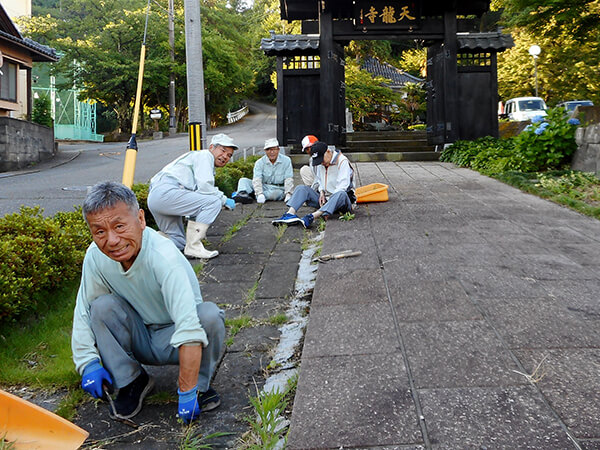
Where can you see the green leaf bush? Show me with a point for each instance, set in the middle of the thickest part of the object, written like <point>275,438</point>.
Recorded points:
<point>37,254</point>
<point>226,178</point>
<point>545,145</point>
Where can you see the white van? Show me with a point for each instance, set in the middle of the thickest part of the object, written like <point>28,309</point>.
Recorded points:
<point>525,108</point>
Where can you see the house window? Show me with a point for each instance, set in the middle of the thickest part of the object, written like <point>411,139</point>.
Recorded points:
<point>8,82</point>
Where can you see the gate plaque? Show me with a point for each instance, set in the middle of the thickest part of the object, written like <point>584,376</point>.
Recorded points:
<point>386,14</point>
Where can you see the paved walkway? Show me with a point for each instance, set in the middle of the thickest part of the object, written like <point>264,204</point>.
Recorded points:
<point>471,320</point>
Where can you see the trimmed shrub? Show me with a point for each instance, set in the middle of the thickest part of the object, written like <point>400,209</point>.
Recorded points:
<point>37,254</point>
<point>226,178</point>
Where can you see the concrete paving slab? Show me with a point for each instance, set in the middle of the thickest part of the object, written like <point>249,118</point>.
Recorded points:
<point>219,273</point>
<point>539,323</point>
<point>497,282</point>
<point>439,300</point>
<point>349,287</point>
<point>457,354</point>
<point>350,329</point>
<point>353,401</point>
<point>551,267</point>
<point>257,338</point>
<point>493,417</point>
<point>278,276</point>
<point>569,379</point>
<point>231,293</point>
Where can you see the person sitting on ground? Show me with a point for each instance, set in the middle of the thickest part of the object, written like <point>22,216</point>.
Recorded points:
<point>139,302</point>
<point>308,172</point>
<point>332,191</point>
<point>272,179</point>
<point>186,187</point>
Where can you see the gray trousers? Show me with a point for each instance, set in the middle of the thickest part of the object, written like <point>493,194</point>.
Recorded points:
<point>169,203</point>
<point>305,194</point>
<point>125,342</point>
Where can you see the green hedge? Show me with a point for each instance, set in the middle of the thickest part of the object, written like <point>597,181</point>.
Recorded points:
<point>226,178</point>
<point>37,255</point>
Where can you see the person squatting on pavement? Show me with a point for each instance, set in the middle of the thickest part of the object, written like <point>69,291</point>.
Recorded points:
<point>308,172</point>
<point>186,187</point>
<point>272,179</point>
<point>331,192</point>
<point>139,302</point>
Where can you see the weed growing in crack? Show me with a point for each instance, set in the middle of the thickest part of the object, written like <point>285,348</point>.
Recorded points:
<point>280,230</point>
<point>278,319</point>
<point>235,228</point>
<point>193,440</point>
<point>237,324</point>
<point>251,295</point>
<point>67,407</point>
<point>269,424</point>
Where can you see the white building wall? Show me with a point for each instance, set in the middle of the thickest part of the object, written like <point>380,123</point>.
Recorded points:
<point>17,8</point>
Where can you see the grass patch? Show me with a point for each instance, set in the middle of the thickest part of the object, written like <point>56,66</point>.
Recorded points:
<point>347,216</point>
<point>321,225</point>
<point>37,350</point>
<point>67,408</point>
<point>6,445</point>
<point>161,398</point>
<point>237,324</point>
<point>277,320</point>
<point>198,268</point>
<point>577,190</point>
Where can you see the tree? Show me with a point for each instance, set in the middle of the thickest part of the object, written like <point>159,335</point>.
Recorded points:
<point>41,111</point>
<point>101,44</point>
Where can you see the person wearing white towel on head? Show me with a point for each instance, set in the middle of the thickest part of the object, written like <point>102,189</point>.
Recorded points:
<point>272,179</point>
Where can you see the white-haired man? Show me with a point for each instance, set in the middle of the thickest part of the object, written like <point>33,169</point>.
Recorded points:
<point>186,187</point>
<point>272,179</point>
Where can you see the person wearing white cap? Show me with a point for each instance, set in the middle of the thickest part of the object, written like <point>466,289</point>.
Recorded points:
<point>273,177</point>
<point>186,187</point>
<point>308,172</point>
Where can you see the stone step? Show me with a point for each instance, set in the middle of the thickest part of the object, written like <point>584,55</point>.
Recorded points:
<point>388,146</point>
<point>385,136</point>
<point>298,160</point>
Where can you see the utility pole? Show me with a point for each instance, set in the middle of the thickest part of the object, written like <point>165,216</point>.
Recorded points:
<point>172,118</point>
<point>195,75</point>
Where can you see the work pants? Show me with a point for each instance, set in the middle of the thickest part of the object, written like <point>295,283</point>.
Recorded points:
<point>338,201</point>
<point>169,202</point>
<point>125,342</point>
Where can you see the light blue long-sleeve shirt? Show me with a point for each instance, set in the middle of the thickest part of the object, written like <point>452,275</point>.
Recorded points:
<point>274,174</point>
<point>160,285</point>
<point>195,171</point>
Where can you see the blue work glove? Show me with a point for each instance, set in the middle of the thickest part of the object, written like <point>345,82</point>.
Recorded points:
<point>94,375</point>
<point>230,204</point>
<point>188,409</point>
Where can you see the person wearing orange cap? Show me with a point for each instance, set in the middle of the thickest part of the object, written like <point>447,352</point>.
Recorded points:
<point>308,172</point>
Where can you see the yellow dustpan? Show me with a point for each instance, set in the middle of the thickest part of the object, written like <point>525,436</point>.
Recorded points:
<point>29,426</point>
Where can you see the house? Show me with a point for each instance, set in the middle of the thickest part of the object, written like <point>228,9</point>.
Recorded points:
<point>21,142</point>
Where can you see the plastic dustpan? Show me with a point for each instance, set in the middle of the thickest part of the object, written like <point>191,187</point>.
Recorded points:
<point>375,192</point>
<point>28,426</point>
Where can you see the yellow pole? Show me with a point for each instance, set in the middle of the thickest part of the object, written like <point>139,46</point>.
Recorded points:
<point>131,154</point>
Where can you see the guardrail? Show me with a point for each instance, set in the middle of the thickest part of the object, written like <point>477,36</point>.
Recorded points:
<point>237,115</point>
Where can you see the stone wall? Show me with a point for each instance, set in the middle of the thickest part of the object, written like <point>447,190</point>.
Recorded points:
<point>24,143</point>
<point>587,155</point>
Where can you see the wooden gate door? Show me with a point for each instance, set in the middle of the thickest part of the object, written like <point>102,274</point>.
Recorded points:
<point>302,108</point>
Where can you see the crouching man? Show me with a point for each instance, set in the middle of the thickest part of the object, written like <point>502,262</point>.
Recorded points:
<point>139,302</point>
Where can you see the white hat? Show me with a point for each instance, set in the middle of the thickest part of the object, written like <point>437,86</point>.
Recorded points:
<point>271,143</point>
<point>224,140</point>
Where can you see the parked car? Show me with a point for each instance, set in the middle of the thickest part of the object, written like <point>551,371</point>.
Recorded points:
<point>525,108</point>
<point>571,105</point>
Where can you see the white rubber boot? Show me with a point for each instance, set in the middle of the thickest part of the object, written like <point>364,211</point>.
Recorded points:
<point>196,231</point>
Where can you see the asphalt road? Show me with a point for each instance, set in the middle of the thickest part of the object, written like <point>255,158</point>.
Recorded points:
<point>61,184</point>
